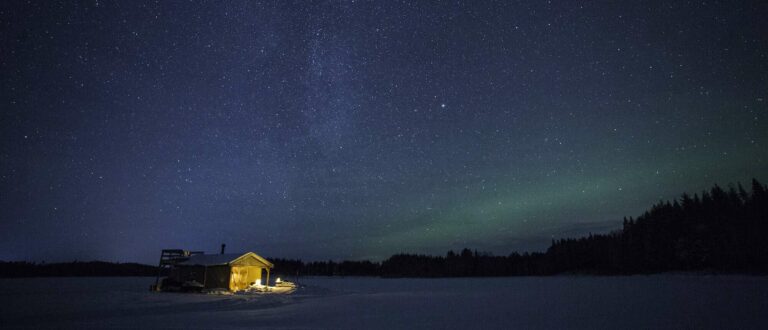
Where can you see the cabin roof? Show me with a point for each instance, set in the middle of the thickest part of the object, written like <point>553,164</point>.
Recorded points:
<point>220,259</point>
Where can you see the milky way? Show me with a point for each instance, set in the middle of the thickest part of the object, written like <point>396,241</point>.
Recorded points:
<point>330,130</point>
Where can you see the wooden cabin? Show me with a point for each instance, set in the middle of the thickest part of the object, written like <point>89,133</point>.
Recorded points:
<point>233,272</point>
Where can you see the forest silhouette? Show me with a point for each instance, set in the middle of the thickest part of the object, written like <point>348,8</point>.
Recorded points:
<point>718,230</point>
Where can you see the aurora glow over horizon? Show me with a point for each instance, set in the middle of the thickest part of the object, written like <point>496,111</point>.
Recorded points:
<point>350,130</point>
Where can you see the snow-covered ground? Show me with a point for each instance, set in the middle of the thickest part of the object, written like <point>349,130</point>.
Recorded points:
<point>636,302</point>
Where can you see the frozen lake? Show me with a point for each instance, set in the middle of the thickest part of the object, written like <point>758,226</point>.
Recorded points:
<point>636,302</point>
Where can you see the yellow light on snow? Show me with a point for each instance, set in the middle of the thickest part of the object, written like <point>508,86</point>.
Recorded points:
<point>278,280</point>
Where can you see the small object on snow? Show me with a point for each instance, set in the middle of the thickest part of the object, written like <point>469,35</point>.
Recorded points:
<point>280,287</point>
<point>221,292</point>
<point>285,284</point>
<point>192,284</point>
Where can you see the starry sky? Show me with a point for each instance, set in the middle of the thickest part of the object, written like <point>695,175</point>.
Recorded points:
<point>358,129</point>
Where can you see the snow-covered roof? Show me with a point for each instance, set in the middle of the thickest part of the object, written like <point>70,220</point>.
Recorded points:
<point>219,259</point>
<point>210,259</point>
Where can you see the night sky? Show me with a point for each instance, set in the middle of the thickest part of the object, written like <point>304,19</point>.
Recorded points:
<point>354,129</point>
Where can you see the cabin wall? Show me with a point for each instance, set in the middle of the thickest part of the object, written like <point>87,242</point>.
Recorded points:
<point>217,277</point>
<point>189,273</point>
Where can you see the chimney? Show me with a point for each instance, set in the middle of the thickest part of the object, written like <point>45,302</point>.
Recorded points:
<point>223,246</point>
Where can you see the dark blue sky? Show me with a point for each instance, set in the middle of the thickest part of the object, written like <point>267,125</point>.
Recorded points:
<point>345,129</point>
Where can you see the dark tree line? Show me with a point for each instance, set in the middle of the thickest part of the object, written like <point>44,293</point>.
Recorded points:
<point>294,267</point>
<point>90,268</point>
<point>717,230</point>
<point>464,263</point>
